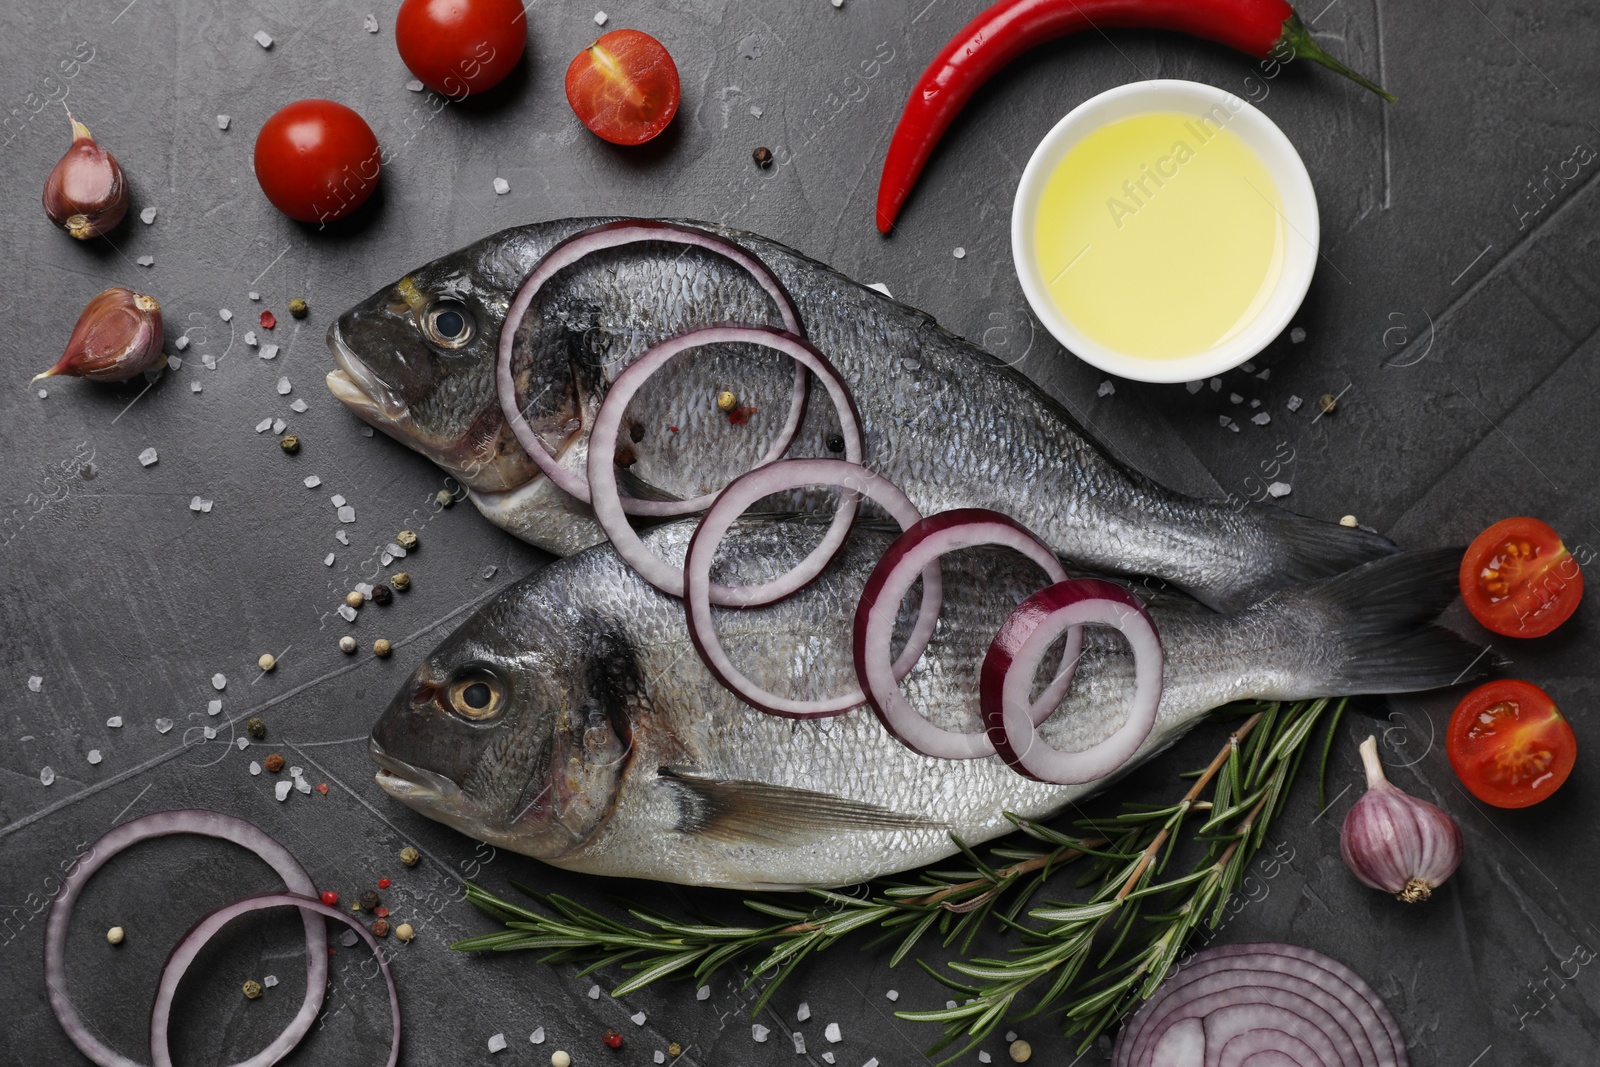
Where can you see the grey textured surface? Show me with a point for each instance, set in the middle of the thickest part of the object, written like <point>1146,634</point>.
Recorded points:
<point>1454,311</point>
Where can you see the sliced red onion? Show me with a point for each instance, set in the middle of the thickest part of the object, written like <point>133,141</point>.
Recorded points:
<point>162,824</point>
<point>1013,661</point>
<point>700,590</point>
<point>1261,1004</point>
<point>608,505</point>
<point>613,235</point>
<point>913,553</point>
<point>195,940</point>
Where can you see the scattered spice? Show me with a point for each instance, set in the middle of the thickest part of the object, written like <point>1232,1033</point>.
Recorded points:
<point>835,442</point>
<point>444,498</point>
<point>726,401</point>
<point>267,661</point>
<point>354,598</point>
<point>1350,521</point>
<point>674,1050</point>
<point>560,1058</point>
<point>368,900</point>
<point>381,648</point>
<point>762,156</point>
<point>289,443</point>
<point>404,932</point>
<point>381,912</point>
<point>255,727</point>
<point>406,540</point>
<point>383,883</point>
<point>322,787</point>
<point>613,1039</point>
<point>410,856</point>
<point>268,320</point>
<point>347,645</point>
<point>380,928</point>
<point>273,763</point>
<point>1326,403</point>
<point>330,898</point>
<point>401,582</point>
<point>1021,1051</point>
<point>252,989</point>
<point>381,595</point>
<point>741,415</point>
<point>115,935</point>
<point>297,308</point>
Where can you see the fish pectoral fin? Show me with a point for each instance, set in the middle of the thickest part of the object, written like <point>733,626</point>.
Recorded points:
<point>633,485</point>
<point>741,812</point>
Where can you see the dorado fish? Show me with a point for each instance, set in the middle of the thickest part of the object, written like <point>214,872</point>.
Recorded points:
<point>942,419</point>
<point>571,720</point>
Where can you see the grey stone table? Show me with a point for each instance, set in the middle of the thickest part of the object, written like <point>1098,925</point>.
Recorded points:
<point>1454,314</point>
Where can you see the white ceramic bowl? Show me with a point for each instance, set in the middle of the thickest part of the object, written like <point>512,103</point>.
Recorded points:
<point>1277,154</point>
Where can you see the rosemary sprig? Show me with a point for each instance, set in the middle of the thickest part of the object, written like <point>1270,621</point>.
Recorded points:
<point>1090,961</point>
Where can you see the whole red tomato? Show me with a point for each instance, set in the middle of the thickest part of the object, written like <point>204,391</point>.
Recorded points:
<point>461,47</point>
<point>317,160</point>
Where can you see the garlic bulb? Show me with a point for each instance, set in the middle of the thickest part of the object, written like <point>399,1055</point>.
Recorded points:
<point>86,193</point>
<point>1396,842</point>
<point>117,337</point>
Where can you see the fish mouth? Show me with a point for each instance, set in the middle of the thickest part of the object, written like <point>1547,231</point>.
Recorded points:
<point>407,782</point>
<point>355,386</point>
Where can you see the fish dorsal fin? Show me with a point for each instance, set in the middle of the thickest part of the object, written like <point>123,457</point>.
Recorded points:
<point>633,485</point>
<point>743,812</point>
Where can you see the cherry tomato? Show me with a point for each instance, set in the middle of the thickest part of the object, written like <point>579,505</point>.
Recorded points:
<point>317,160</point>
<point>624,87</point>
<point>1509,744</point>
<point>1519,580</point>
<point>461,47</point>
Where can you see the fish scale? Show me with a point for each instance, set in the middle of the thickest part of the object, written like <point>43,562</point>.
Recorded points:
<point>942,419</point>
<point>676,779</point>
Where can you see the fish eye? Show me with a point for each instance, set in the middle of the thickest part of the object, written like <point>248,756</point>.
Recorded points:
<point>448,325</point>
<point>476,696</point>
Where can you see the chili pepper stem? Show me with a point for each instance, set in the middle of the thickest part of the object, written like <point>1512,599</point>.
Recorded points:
<point>1298,37</point>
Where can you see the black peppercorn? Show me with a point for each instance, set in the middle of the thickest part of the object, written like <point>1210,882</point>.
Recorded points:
<point>369,900</point>
<point>381,594</point>
<point>763,157</point>
<point>835,442</point>
<point>255,727</point>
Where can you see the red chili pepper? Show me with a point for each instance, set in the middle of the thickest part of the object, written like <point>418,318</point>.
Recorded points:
<point>1260,28</point>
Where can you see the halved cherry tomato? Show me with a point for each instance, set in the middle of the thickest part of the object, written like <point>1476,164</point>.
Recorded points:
<point>624,87</point>
<point>1519,580</point>
<point>460,47</point>
<point>317,160</point>
<point>1509,744</point>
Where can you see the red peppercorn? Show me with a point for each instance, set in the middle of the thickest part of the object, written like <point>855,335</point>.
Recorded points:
<point>613,1039</point>
<point>381,912</point>
<point>322,787</point>
<point>329,897</point>
<point>383,883</point>
<point>268,320</point>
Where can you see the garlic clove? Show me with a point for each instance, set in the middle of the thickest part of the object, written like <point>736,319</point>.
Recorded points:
<point>1397,842</point>
<point>86,193</point>
<point>117,337</point>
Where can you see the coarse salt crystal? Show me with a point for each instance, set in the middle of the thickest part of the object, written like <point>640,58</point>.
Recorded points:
<point>414,85</point>
<point>195,387</point>
<point>269,351</point>
<point>114,722</point>
<point>489,572</point>
<point>703,993</point>
<point>303,786</point>
<point>395,550</point>
<point>1294,403</point>
<point>501,187</point>
<point>638,1018</point>
<point>347,514</point>
<point>219,682</point>
<point>1106,388</point>
<point>799,1040</point>
<point>94,756</point>
<point>497,1043</point>
<point>1264,375</point>
<point>253,295</point>
<point>983,1057</point>
<point>269,981</point>
<point>827,1057</point>
<point>35,683</point>
<point>1227,423</point>
<point>264,425</point>
<point>147,457</point>
<point>1261,418</point>
<point>1256,402</point>
<point>210,733</point>
<point>1011,1035</point>
<point>47,775</point>
<point>210,361</point>
<point>537,1037</point>
<point>255,768</point>
<point>250,338</point>
<point>312,481</point>
<point>147,216</point>
<point>205,506</point>
<point>1277,489</point>
<point>959,252</point>
<point>181,343</point>
<point>660,1057</point>
<point>214,708</point>
<point>346,612</point>
<point>594,992</point>
<point>370,24</point>
<point>600,18</point>
<point>1216,385</point>
<point>366,431</point>
<point>223,121</point>
<point>163,725</point>
<point>386,559</point>
<point>241,743</point>
<point>263,38</point>
<point>339,535</point>
<point>1297,335</point>
<point>146,261</point>
<point>296,772</point>
<point>755,110</point>
<point>1235,398</point>
<point>174,362</point>
<point>882,288</point>
<point>195,503</point>
<point>284,386</point>
<point>871,1063</point>
<point>337,500</point>
<point>282,789</point>
<point>225,315</point>
<point>278,425</point>
<point>1194,387</point>
<point>328,560</point>
<point>893,994</point>
<point>43,392</point>
<point>298,405</point>
<point>832,1033</point>
<point>365,589</point>
<point>758,1033</point>
<point>803,1012</point>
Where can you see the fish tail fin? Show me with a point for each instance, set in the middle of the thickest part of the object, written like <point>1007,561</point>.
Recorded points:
<point>1378,620</point>
<point>1318,549</point>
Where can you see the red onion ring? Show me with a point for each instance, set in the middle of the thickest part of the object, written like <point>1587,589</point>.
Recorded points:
<point>911,554</point>
<point>612,235</point>
<point>698,587</point>
<point>611,513</point>
<point>1256,1004</point>
<point>196,939</point>
<point>1013,660</point>
<point>163,824</point>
